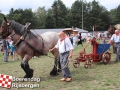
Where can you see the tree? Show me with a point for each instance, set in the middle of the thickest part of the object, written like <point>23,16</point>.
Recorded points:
<point>76,11</point>
<point>59,16</point>
<point>49,21</point>
<point>69,19</point>
<point>113,17</point>
<point>59,13</point>
<point>1,17</point>
<point>22,16</point>
<point>99,16</point>
<point>41,17</point>
<point>118,14</point>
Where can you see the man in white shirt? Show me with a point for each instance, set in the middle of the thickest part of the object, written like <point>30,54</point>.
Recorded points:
<point>116,40</point>
<point>65,49</point>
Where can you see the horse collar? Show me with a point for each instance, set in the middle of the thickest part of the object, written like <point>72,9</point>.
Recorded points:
<point>20,39</point>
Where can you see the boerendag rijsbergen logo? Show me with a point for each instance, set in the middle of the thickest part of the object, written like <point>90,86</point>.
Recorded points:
<point>7,81</point>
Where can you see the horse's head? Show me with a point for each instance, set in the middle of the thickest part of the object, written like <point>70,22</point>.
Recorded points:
<point>5,29</point>
<point>111,30</point>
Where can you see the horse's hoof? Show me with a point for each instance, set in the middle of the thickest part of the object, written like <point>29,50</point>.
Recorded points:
<point>26,76</point>
<point>59,70</point>
<point>31,73</point>
<point>53,73</point>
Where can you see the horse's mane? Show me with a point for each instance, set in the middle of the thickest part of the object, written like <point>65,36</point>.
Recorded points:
<point>113,27</point>
<point>17,27</point>
<point>20,29</point>
<point>111,30</point>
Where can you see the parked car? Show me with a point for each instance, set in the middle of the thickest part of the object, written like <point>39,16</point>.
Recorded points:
<point>0,41</point>
<point>84,36</point>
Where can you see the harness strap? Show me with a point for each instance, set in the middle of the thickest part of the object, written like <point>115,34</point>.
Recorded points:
<point>39,51</point>
<point>21,39</point>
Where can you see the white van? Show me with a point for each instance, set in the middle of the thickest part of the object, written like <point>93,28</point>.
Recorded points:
<point>84,36</point>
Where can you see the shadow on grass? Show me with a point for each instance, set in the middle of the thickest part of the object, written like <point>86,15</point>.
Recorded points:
<point>83,78</point>
<point>111,62</point>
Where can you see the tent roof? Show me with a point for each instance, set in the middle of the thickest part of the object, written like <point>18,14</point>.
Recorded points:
<point>81,30</point>
<point>40,31</point>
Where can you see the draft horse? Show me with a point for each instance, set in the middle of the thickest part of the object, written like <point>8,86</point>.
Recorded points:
<point>111,30</point>
<point>28,44</point>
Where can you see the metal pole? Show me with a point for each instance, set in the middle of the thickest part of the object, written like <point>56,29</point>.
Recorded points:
<point>82,14</point>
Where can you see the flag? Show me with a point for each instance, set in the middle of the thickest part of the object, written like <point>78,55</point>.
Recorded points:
<point>93,28</point>
<point>5,81</point>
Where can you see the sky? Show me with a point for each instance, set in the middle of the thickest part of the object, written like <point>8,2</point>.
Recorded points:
<point>6,5</point>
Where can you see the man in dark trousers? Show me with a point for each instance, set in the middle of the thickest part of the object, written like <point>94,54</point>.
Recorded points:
<point>6,48</point>
<point>65,49</point>
<point>80,39</point>
<point>116,40</point>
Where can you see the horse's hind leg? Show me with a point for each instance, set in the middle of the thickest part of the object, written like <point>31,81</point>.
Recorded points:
<point>56,63</point>
<point>26,68</point>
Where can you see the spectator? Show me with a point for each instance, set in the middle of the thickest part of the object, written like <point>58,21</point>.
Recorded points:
<point>5,48</point>
<point>15,53</point>
<point>75,40</point>
<point>12,48</point>
<point>80,39</point>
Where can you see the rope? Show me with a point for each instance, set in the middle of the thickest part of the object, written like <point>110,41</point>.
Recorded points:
<point>66,65</point>
<point>86,46</point>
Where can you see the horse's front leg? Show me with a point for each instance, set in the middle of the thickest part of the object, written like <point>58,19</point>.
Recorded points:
<point>26,68</point>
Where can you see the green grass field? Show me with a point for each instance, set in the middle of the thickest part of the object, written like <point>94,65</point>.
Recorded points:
<point>98,77</point>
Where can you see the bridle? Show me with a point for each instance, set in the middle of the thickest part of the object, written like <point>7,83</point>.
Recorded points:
<point>6,28</point>
<point>111,28</point>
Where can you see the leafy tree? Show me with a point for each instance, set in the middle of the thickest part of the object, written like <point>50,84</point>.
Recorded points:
<point>15,15</point>
<point>118,14</point>
<point>113,17</point>
<point>99,16</point>
<point>22,16</point>
<point>69,19</point>
<point>59,13</point>
<point>76,11</point>
<point>59,16</point>
<point>1,17</point>
<point>49,21</point>
<point>41,16</point>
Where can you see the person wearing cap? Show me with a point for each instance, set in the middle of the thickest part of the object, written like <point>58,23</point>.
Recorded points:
<point>116,40</point>
<point>65,49</point>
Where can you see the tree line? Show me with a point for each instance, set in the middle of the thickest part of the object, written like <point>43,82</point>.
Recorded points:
<point>60,16</point>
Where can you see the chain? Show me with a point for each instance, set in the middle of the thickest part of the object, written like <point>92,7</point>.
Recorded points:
<point>66,65</point>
